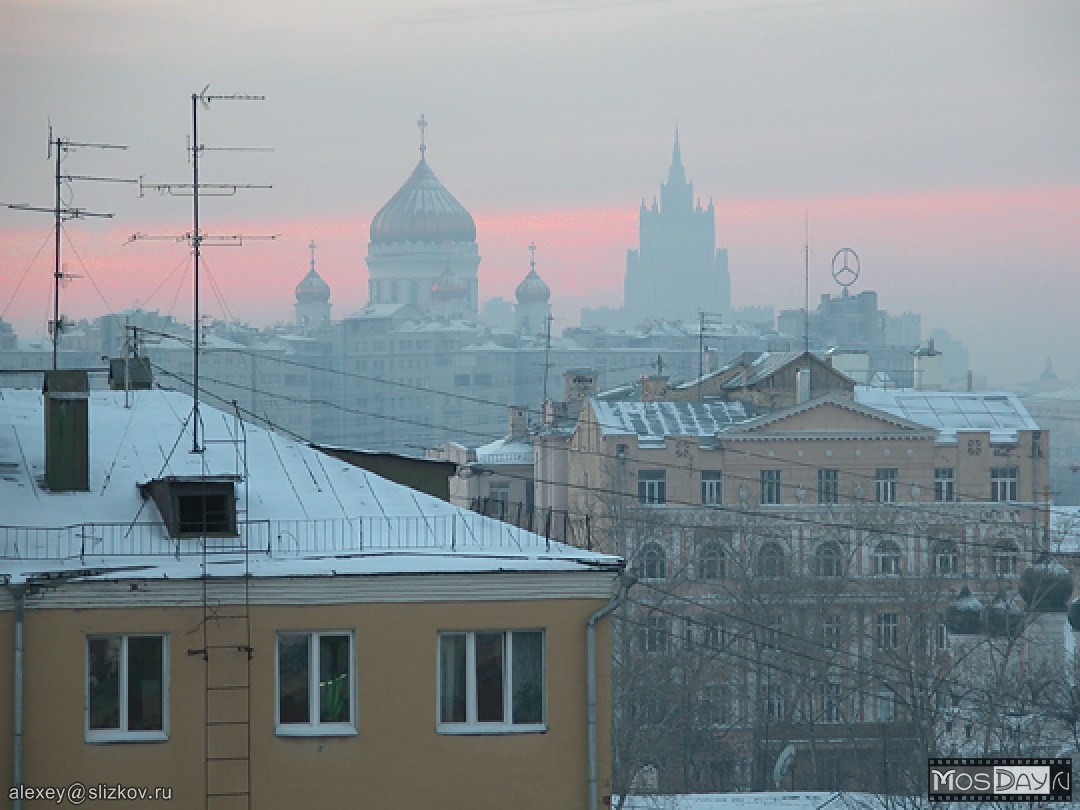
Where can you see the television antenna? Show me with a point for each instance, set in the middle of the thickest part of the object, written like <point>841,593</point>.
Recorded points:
<point>196,237</point>
<point>848,271</point>
<point>708,323</point>
<point>60,148</point>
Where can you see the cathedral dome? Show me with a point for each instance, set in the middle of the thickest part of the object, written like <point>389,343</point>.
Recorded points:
<point>312,290</point>
<point>422,210</point>
<point>448,287</point>
<point>532,290</point>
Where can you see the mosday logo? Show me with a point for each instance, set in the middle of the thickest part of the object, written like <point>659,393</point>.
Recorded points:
<point>1001,779</point>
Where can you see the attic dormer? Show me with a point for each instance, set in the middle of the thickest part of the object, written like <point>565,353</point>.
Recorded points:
<point>195,506</point>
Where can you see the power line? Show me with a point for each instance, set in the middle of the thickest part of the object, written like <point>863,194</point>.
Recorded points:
<point>896,509</point>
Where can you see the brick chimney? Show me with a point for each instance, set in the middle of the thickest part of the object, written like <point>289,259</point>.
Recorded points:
<point>67,431</point>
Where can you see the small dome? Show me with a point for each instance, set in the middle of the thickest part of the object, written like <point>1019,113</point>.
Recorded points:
<point>1004,617</point>
<point>1074,614</point>
<point>312,290</point>
<point>422,210</point>
<point>448,287</point>
<point>964,615</point>
<point>532,289</point>
<point>1046,586</point>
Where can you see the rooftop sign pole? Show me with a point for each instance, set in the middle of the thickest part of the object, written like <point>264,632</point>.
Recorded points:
<point>59,149</point>
<point>196,237</point>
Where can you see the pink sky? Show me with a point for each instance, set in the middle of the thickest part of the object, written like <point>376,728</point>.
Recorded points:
<point>946,255</point>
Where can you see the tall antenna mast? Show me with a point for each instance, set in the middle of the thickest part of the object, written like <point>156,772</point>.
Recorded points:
<point>58,150</point>
<point>197,238</point>
<point>547,353</point>
<point>806,288</point>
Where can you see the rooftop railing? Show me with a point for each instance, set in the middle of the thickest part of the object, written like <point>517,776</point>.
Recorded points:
<point>462,532</point>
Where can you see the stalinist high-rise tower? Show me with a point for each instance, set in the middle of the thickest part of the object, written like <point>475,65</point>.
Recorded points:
<point>676,270</point>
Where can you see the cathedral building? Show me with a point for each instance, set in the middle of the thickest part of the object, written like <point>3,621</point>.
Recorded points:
<point>312,299</point>
<point>421,235</point>
<point>676,270</point>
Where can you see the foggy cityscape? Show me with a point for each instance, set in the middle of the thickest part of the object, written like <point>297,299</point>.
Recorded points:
<point>563,404</point>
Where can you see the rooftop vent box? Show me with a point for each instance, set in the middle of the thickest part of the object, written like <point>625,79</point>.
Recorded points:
<point>196,506</point>
<point>67,431</point>
<point>132,374</point>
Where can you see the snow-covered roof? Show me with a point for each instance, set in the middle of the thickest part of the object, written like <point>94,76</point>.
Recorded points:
<point>653,421</point>
<point>302,507</point>
<point>952,412</point>
<point>505,451</point>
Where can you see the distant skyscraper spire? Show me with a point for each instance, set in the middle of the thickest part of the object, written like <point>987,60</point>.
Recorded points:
<point>422,123</point>
<point>676,174</point>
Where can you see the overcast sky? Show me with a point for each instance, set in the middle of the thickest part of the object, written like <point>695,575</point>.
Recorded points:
<point>939,140</point>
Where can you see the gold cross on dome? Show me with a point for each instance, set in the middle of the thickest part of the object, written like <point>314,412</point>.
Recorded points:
<point>422,123</point>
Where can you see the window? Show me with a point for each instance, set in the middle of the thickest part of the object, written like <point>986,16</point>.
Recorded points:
<point>829,560</point>
<point>315,684</point>
<point>887,559</point>
<point>712,487</point>
<point>830,630</point>
<point>491,682</point>
<point>888,631</point>
<point>944,484</point>
<point>1003,481</point>
<point>770,635</point>
<point>941,636</point>
<point>499,496</point>
<point>886,707</point>
<point>652,486</point>
<point>715,699</point>
<point>125,688</point>
<point>653,562</point>
<point>711,562</point>
<point>832,700</point>
<point>713,633</point>
<point>770,562</point>
<point>190,507</point>
<point>946,559</point>
<point>828,486</point>
<point>652,634</point>
<point>886,484</point>
<point>1003,560</point>
<point>775,705</point>
<point>770,487</point>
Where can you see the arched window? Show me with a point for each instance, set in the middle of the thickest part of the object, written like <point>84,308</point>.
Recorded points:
<point>653,562</point>
<point>711,563</point>
<point>771,562</point>
<point>887,559</point>
<point>946,559</point>
<point>830,560</point>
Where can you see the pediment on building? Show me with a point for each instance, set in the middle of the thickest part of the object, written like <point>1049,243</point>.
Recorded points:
<point>829,416</point>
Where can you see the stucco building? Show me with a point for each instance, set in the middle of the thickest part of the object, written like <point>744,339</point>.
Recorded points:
<point>247,622</point>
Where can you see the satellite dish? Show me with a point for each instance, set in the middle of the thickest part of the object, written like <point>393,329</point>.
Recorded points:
<point>784,763</point>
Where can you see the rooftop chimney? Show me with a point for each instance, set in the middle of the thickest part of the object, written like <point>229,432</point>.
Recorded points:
<point>67,431</point>
<point>519,422</point>
<point>578,385</point>
<point>654,388</point>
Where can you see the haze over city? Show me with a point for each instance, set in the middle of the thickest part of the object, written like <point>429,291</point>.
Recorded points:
<point>938,142</point>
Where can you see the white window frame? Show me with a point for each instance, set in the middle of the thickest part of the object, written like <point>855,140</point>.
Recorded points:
<point>712,487</point>
<point>888,631</point>
<point>471,724</point>
<point>122,734</point>
<point>771,488</point>
<point>314,727</point>
<point>945,484</point>
<point>885,480</point>
<point>1004,484</point>
<point>652,487</point>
